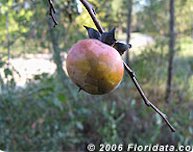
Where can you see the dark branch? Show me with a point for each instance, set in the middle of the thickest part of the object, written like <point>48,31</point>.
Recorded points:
<point>147,102</point>
<point>90,9</point>
<point>52,12</point>
<point>92,13</point>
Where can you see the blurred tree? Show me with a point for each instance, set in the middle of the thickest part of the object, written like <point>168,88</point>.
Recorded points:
<point>122,9</point>
<point>15,17</point>
<point>8,36</point>
<point>171,52</point>
<point>149,15</point>
<point>129,15</point>
<point>184,17</point>
<point>153,16</point>
<point>66,13</point>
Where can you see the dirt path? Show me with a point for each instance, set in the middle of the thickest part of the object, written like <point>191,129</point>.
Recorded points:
<point>31,65</point>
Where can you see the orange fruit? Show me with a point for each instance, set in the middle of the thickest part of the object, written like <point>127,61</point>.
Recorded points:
<point>95,67</point>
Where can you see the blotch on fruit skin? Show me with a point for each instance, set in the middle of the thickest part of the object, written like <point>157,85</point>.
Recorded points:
<point>94,66</point>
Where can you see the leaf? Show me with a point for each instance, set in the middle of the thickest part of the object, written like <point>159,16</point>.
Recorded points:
<point>121,47</point>
<point>61,97</point>
<point>108,37</point>
<point>92,33</point>
<point>7,72</point>
<point>2,64</point>
<point>37,77</point>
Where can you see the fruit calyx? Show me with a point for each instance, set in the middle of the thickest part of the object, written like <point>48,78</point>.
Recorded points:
<point>108,38</point>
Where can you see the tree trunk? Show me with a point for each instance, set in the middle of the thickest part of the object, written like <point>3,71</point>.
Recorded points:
<point>8,37</point>
<point>129,15</point>
<point>59,68</point>
<point>171,52</point>
<point>56,55</point>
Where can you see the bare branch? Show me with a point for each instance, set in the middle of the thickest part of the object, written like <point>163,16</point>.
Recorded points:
<point>52,12</point>
<point>92,13</point>
<point>147,102</point>
<point>90,9</point>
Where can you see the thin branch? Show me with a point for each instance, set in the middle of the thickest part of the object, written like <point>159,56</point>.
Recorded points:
<point>147,102</point>
<point>92,13</point>
<point>127,68</point>
<point>52,12</point>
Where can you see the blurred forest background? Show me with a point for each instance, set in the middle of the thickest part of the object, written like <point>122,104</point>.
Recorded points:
<point>41,109</point>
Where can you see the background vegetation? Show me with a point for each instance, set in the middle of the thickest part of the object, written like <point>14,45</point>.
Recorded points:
<point>49,113</point>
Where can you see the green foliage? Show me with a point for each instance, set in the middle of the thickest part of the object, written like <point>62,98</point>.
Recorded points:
<point>7,80</point>
<point>15,19</point>
<point>26,31</point>
<point>153,18</point>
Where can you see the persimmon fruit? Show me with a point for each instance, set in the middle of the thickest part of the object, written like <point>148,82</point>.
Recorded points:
<point>94,66</point>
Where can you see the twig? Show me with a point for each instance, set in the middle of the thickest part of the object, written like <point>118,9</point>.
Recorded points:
<point>92,13</point>
<point>52,12</point>
<point>90,9</point>
<point>147,102</point>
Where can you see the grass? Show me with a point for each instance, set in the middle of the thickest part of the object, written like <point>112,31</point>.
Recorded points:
<point>186,47</point>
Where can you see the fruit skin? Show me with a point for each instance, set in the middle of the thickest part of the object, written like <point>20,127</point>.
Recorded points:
<point>94,66</point>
